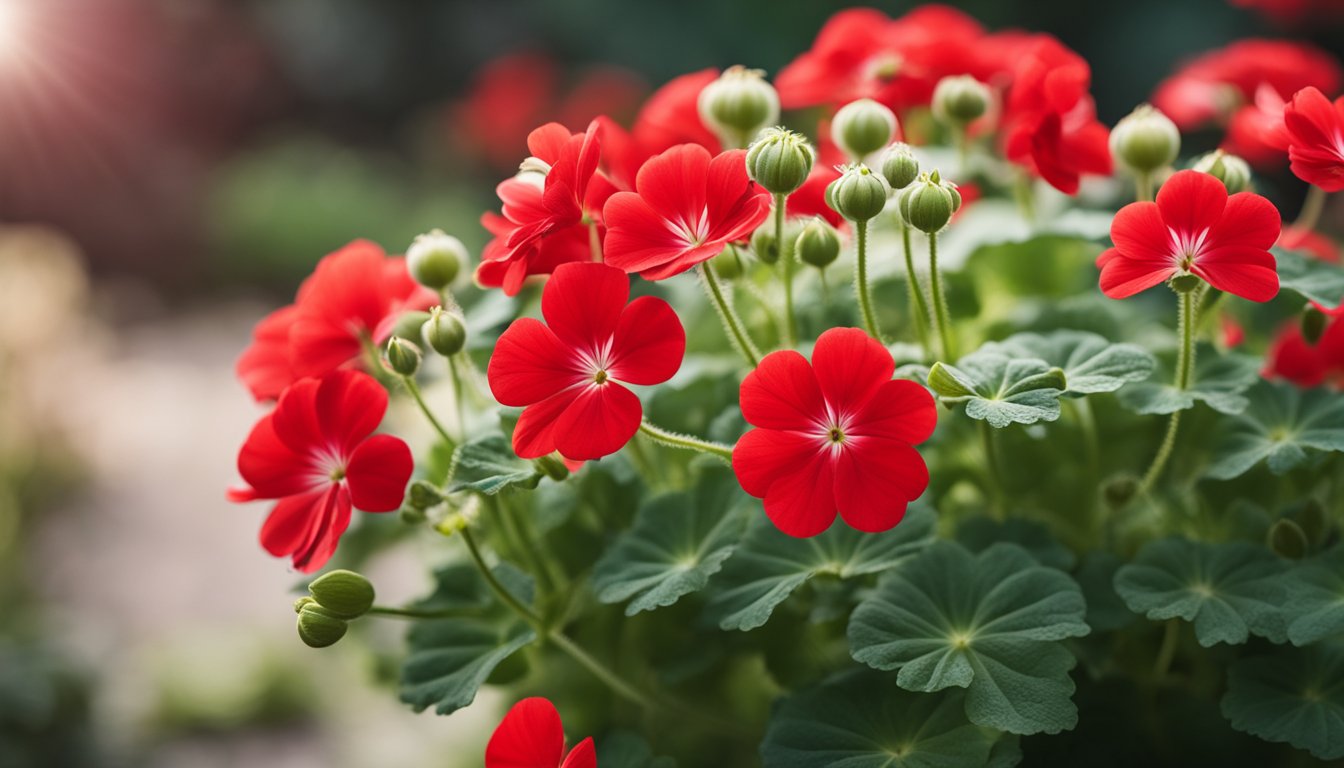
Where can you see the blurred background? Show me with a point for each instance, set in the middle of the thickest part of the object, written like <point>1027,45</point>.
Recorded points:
<point>169,171</point>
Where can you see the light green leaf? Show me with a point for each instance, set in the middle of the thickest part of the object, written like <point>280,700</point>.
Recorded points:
<point>768,565</point>
<point>1294,695</point>
<point>1229,590</point>
<point>1091,364</point>
<point>1219,381</point>
<point>1281,424</point>
<point>1000,389</point>
<point>1311,278</point>
<point>990,623</point>
<point>451,658</point>
<point>1315,607</point>
<point>678,541</point>
<point>862,720</point>
<point>488,465</point>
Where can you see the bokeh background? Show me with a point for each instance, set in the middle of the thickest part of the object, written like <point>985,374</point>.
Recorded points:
<point>169,170</point>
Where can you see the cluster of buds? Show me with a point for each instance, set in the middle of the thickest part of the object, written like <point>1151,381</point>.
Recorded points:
<point>334,600</point>
<point>434,260</point>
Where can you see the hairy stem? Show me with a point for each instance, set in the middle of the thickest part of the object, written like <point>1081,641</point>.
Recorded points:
<point>941,319</point>
<point>1185,363</point>
<point>786,268</point>
<point>919,307</point>
<point>861,281</point>
<point>737,332</point>
<point>1312,207</point>
<point>414,390</point>
<point>686,442</point>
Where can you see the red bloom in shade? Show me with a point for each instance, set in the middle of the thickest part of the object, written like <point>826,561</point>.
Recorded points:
<point>1050,123</point>
<point>567,373</point>
<point>810,199</point>
<point>1309,365</point>
<point>314,453</point>
<point>355,294</point>
<point>532,736</point>
<point>670,117</point>
<point>687,208</point>
<point>1316,139</point>
<point>1311,242</point>
<point>1257,133</point>
<point>1233,335</point>
<point>1194,228</point>
<point>834,435</point>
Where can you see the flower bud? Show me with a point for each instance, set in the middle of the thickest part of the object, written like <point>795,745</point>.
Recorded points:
<point>551,466</point>
<point>1234,172</point>
<point>728,264</point>
<point>1119,490</point>
<point>434,259</point>
<point>859,194</point>
<point>408,325</point>
<point>1184,283</point>
<point>899,165</point>
<point>318,628</point>
<point>862,127</point>
<point>1287,539</point>
<point>1313,322</point>
<point>928,204</point>
<point>443,332</point>
<point>403,356</point>
<point>959,99</point>
<point>738,105</point>
<point>779,160</point>
<point>764,246</point>
<point>818,244</point>
<point>344,594</point>
<point>1145,139</point>
<point>423,495</point>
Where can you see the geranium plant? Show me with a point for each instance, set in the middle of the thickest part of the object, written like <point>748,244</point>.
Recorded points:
<point>944,427</point>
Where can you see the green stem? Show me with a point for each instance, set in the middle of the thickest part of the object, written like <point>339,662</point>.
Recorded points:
<point>941,319</point>
<point>1185,363</point>
<point>919,308</point>
<point>1143,186</point>
<point>992,469</point>
<point>686,442</point>
<point>861,281</point>
<point>505,596</point>
<point>1312,207</point>
<point>737,332</point>
<point>410,613</point>
<point>1166,653</point>
<point>526,545</point>
<point>786,267</point>
<point>456,377</point>
<point>414,389</point>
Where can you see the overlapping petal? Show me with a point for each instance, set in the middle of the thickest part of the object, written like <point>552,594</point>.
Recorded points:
<point>648,344</point>
<point>875,476</point>
<point>530,736</point>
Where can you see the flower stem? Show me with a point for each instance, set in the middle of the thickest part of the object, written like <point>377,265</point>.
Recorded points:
<point>919,307</point>
<point>686,442</point>
<point>940,316</point>
<point>1312,207</point>
<point>409,613</point>
<point>456,377</point>
<point>737,332</point>
<point>1185,363</point>
<point>786,267</point>
<point>861,281</point>
<point>1143,186</point>
<point>1166,653</point>
<point>505,596</point>
<point>992,469</point>
<point>414,390</point>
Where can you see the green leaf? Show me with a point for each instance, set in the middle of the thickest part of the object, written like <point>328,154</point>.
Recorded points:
<point>861,720</point>
<point>1000,389</point>
<point>628,749</point>
<point>1219,381</point>
<point>678,541</point>
<point>1315,606</point>
<point>979,533</point>
<point>1229,590</point>
<point>1313,279</point>
<point>1091,364</point>
<point>451,658</point>
<point>1294,695</point>
<point>1281,424</point>
<point>768,565</point>
<point>488,465</point>
<point>990,623</point>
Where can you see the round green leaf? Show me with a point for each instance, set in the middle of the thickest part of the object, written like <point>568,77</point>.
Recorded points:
<point>979,533</point>
<point>1294,695</point>
<point>1219,381</point>
<point>999,389</point>
<point>989,623</point>
<point>488,465</point>
<point>1281,426</point>
<point>1090,363</point>
<point>1315,606</point>
<point>1311,278</point>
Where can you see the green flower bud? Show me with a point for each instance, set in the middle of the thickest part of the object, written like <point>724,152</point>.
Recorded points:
<point>408,325</point>
<point>779,160</point>
<point>818,244</point>
<point>443,332</point>
<point>1119,490</point>
<point>1313,322</point>
<point>928,204</point>
<point>859,194</point>
<point>302,601</point>
<point>738,105</point>
<point>434,259</point>
<point>764,246</point>
<point>344,594</point>
<point>403,356</point>
<point>552,466</point>
<point>1234,172</point>
<point>1145,140</point>
<point>318,628</point>
<point>1184,283</point>
<point>728,264</point>
<point>862,127</point>
<point>899,165</point>
<point>959,99</point>
<point>1287,539</point>
<point>423,495</point>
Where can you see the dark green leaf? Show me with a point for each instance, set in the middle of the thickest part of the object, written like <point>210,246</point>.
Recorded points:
<point>990,623</point>
<point>1294,695</point>
<point>1000,389</point>
<point>979,533</point>
<point>1219,381</point>
<point>1280,426</point>
<point>488,465</point>
<point>626,749</point>
<point>1090,363</point>
<point>1313,279</point>
<point>1315,607</point>
<point>768,565</point>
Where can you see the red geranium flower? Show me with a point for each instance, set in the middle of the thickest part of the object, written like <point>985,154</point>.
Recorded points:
<point>670,117</point>
<point>314,453</point>
<point>687,208</point>
<point>1311,242</point>
<point>1257,133</point>
<point>1316,139</point>
<point>834,435</point>
<point>568,372</point>
<point>355,295</point>
<point>1309,365</point>
<point>532,736</point>
<point>1194,228</point>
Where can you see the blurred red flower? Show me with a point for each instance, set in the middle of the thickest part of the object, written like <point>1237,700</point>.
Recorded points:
<point>1315,129</point>
<point>1194,227</point>
<point>315,454</point>
<point>567,372</point>
<point>835,435</point>
<point>687,208</point>
<point>1256,132</point>
<point>532,736</point>
<point>1309,365</point>
<point>1311,242</point>
<point>810,199</point>
<point>671,116</point>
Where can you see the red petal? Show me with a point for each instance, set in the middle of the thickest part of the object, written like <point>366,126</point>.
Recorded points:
<point>273,469</point>
<point>674,183</point>
<point>548,142</point>
<point>763,456</point>
<point>649,343</point>
<point>900,410</point>
<point>529,736</point>
<point>638,237</point>
<point>600,421</point>
<point>289,526</point>
<point>377,472</point>
<point>875,477</point>
<point>1311,120</point>
<point>726,181</point>
<point>1246,272</point>
<point>584,755</point>
<point>1191,202</point>
<point>1122,277</point>
<point>326,515</point>
<point>350,405</point>
<point>264,367</point>
<point>1249,221</point>
<point>534,435</point>
<point>782,393</point>
<point>582,303</point>
<point>529,364</point>
<point>802,503</point>
<point>1139,232</point>
<point>850,365</point>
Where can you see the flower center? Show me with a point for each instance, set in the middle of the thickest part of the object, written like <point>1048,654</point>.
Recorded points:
<point>836,436</point>
<point>693,232</point>
<point>600,377</point>
<point>337,474</point>
<point>884,67</point>
<point>1186,247</point>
